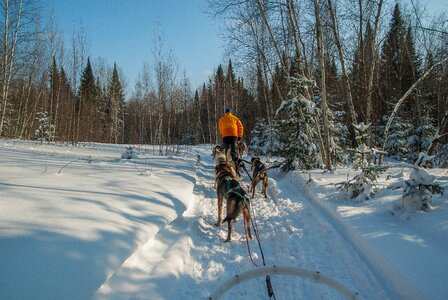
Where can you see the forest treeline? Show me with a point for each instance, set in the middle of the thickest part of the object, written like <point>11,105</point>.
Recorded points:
<point>301,74</point>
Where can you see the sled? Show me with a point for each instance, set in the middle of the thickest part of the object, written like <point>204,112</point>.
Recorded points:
<point>281,270</point>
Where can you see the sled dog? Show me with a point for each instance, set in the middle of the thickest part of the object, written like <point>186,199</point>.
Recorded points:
<point>259,174</point>
<point>229,189</point>
<point>241,147</point>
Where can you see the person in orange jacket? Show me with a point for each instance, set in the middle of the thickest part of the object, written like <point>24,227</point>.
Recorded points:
<point>231,130</point>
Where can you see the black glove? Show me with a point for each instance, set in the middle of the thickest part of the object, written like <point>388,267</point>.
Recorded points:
<point>238,138</point>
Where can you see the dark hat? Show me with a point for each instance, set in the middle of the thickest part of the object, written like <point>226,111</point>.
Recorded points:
<point>228,109</point>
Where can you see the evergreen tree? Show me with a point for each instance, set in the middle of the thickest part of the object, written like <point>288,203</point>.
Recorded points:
<point>396,140</point>
<point>67,118</point>
<point>117,106</point>
<point>429,91</point>
<point>294,128</point>
<point>45,131</point>
<point>219,96</point>
<point>88,88</point>
<point>399,69</point>
<point>262,106</point>
<point>54,88</point>
<point>88,119</point>
<point>279,88</point>
<point>104,112</point>
<point>332,81</point>
<point>420,135</point>
<point>359,80</point>
<point>230,76</point>
<point>411,62</point>
<point>198,133</point>
<point>362,186</point>
<point>410,73</point>
<point>230,84</point>
<point>246,111</point>
<point>392,59</point>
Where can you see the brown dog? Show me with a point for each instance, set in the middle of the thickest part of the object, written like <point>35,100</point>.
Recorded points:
<point>228,188</point>
<point>241,147</point>
<point>259,174</point>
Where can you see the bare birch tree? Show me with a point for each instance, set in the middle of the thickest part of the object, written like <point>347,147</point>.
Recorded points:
<point>404,97</point>
<point>345,79</point>
<point>372,62</point>
<point>12,12</point>
<point>325,146</point>
<point>77,60</point>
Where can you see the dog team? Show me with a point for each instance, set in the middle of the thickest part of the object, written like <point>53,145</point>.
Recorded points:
<point>228,165</point>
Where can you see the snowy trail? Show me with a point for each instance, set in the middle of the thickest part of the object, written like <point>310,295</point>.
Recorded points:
<point>143,229</point>
<point>190,251</point>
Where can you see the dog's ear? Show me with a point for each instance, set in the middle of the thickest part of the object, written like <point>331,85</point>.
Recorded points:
<point>216,150</point>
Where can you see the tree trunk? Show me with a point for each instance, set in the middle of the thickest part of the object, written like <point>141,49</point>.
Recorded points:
<point>296,36</point>
<point>8,58</point>
<point>273,39</point>
<point>372,66</point>
<point>345,81</point>
<point>325,143</point>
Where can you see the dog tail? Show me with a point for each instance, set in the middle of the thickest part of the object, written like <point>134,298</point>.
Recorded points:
<point>273,167</point>
<point>263,172</point>
<point>235,212</point>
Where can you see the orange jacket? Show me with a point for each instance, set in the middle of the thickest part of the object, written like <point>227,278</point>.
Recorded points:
<point>229,125</point>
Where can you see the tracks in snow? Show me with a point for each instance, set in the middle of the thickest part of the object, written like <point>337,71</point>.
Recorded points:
<point>189,258</point>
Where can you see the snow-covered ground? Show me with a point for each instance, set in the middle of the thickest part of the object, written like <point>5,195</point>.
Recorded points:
<point>82,223</point>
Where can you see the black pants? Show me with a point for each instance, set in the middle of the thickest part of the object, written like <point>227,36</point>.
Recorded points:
<point>230,142</point>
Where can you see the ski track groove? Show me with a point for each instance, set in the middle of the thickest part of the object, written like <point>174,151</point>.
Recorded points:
<point>276,229</point>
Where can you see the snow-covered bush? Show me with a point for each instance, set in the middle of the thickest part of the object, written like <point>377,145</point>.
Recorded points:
<point>418,189</point>
<point>397,139</point>
<point>262,142</point>
<point>45,131</point>
<point>362,186</point>
<point>424,160</point>
<point>408,138</point>
<point>340,136</point>
<point>296,133</point>
<point>418,140</point>
<point>129,153</point>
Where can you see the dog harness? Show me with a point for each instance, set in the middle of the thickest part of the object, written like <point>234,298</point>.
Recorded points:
<point>259,168</point>
<point>235,190</point>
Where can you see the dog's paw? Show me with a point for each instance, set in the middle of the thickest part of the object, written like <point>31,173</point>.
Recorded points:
<point>218,224</point>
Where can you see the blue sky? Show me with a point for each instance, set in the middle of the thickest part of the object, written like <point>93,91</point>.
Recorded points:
<point>124,32</point>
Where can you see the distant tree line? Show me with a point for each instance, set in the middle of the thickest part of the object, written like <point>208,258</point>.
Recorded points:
<point>308,71</point>
<point>48,91</point>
